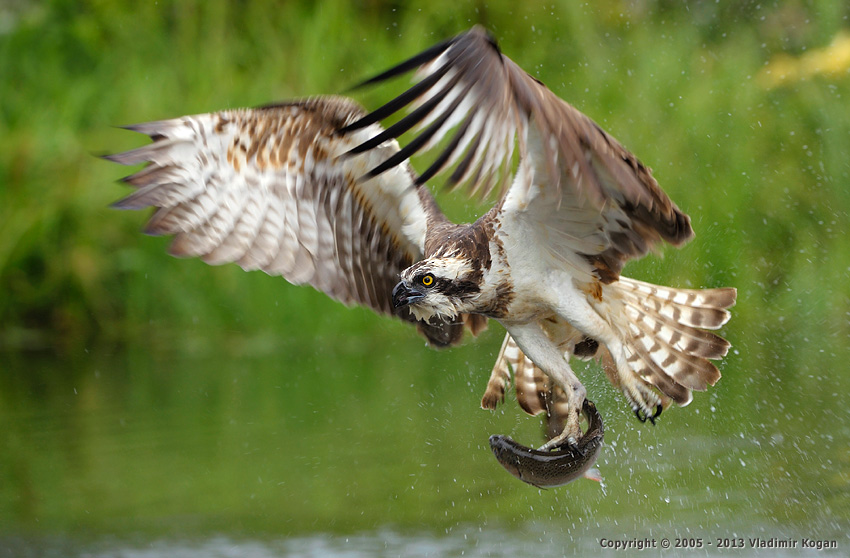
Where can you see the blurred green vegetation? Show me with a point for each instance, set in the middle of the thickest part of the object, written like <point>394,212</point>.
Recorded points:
<point>762,171</point>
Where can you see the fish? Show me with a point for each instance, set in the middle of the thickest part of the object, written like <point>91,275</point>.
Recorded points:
<point>563,465</point>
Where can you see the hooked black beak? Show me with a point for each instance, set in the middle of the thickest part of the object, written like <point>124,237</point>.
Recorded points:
<point>404,295</point>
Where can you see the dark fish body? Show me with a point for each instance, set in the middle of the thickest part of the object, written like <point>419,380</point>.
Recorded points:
<point>545,469</point>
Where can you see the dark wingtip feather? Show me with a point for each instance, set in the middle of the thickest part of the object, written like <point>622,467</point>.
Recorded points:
<point>482,31</point>
<point>124,204</point>
<point>440,162</point>
<point>394,105</point>
<point>142,128</point>
<point>140,199</point>
<point>104,156</point>
<point>128,158</point>
<point>114,158</point>
<point>131,127</point>
<point>407,65</point>
<point>153,129</point>
<point>411,148</point>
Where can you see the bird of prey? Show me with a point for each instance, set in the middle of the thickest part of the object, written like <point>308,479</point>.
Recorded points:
<point>317,191</point>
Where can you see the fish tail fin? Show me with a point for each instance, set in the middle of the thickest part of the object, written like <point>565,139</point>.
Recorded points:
<point>593,474</point>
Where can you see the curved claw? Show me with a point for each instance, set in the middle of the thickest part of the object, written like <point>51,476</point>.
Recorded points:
<point>658,409</point>
<point>643,416</point>
<point>561,442</point>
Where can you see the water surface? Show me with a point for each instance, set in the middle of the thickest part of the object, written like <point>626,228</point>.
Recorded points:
<point>382,450</point>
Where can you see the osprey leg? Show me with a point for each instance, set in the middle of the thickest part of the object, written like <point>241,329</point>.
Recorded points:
<point>533,341</point>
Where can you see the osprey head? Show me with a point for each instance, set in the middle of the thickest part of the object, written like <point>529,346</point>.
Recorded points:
<point>442,286</point>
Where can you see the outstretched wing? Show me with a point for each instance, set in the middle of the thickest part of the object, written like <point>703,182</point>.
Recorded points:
<point>267,189</point>
<point>573,178</point>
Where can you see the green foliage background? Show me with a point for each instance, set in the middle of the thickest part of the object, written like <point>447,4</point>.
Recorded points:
<point>763,171</point>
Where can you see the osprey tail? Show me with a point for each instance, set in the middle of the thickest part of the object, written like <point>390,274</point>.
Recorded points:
<point>664,340</point>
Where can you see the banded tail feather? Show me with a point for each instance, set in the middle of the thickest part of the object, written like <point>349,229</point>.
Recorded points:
<point>529,382</point>
<point>665,339</point>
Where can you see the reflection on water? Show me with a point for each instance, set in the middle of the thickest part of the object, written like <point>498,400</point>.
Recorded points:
<point>385,542</point>
<point>382,450</point>
<point>469,542</point>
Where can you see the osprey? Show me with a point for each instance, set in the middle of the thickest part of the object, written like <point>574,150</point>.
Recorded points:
<point>318,192</point>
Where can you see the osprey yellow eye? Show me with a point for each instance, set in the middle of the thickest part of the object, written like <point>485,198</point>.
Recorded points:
<point>427,280</point>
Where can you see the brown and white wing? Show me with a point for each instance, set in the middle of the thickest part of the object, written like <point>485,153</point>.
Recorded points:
<point>603,204</point>
<point>267,188</point>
